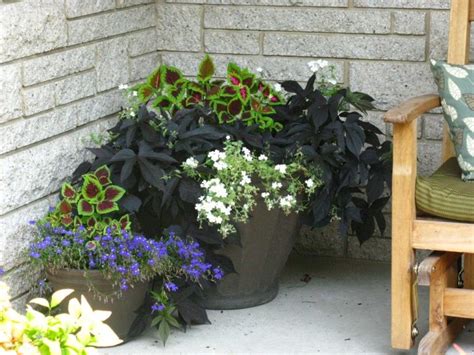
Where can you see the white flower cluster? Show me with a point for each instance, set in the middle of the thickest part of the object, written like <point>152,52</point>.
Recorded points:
<point>191,163</point>
<point>218,159</point>
<point>316,65</point>
<point>281,168</point>
<point>287,202</point>
<point>216,187</point>
<point>247,154</point>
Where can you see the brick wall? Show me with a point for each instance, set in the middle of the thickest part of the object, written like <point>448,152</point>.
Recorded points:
<point>381,47</point>
<point>62,60</point>
<point>60,64</point>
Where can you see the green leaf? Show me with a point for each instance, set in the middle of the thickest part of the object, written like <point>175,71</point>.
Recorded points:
<point>65,207</point>
<point>84,208</point>
<point>41,301</point>
<point>113,193</point>
<point>68,192</point>
<point>164,331</point>
<point>235,107</point>
<point>145,92</point>
<point>124,221</point>
<point>91,188</point>
<point>59,296</point>
<point>106,207</point>
<point>172,321</point>
<point>206,69</point>
<point>103,175</point>
<point>171,75</point>
<point>154,80</point>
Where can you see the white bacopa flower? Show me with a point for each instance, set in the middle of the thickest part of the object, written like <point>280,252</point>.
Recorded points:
<point>322,63</point>
<point>332,81</point>
<point>259,70</point>
<point>217,155</point>
<point>132,114</point>
<point>220,165</point>
<point>134,93</point>
<point>219,190</point>
<point>245,179</point>
<point>276,185</point>
<point>265,194</point>
<point>262,157</point>
<point>287,201</point>
<point>277,87</point>
<point>309,183</point>
<point>123,87</point>
<point>191,163</point>
<point>227,137</point>
<point>281,168</point>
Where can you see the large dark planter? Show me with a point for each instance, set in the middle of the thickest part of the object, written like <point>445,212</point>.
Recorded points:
<point>267,240</point>
<point>123,308</point>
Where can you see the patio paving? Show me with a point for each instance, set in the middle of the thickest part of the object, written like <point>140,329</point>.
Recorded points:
<point>343,309</point>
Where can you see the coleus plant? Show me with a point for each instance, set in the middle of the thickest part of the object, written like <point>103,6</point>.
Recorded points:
<point>243,96</point>
<point>90,205</point>
<point>356,165</point>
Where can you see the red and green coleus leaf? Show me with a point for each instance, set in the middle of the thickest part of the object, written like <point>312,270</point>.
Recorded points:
<point>113,193</point>
<point>206,69</point>
<point>244,94</point>
<point>145,93</point>
<point>224,117</point>
<point>64,207</point>
<point>171,75</point>
<point>68,192</point>
<point>84,208</point>
<point>91,222</point>
<point>104,207</point>
<point>235,107</point>
<point>125,222</point>
<point>154,80</point>
<point>163,102</point>
<point>229,90</point>
<point>91,187</point>
<point>103,175</point>
<point>67,220</point>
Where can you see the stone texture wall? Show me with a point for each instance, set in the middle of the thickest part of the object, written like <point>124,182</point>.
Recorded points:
<point>60,64</point>
<point>381,47</point>
<point>62,60</point>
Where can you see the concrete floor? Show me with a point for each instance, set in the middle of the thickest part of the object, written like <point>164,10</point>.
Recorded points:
<point>343,309</point>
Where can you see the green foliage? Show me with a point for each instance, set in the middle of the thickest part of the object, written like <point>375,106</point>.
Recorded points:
<point>89,206</point>
<point>243,96</point>
<point>76,332</point>
<point>235,178</point>
<point>165,315</point>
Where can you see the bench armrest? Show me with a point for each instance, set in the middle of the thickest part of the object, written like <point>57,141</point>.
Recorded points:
<point>412,109</point>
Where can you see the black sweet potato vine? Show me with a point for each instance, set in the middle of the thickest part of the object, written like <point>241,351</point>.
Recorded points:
<point>356,165</point>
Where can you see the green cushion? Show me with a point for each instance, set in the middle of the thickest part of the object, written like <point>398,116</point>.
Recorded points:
<point>445,194</point>
<point>456,89</point>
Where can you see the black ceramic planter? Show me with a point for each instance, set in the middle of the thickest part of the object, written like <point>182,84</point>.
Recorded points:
<point>123,308</point>
<point>267,240</point>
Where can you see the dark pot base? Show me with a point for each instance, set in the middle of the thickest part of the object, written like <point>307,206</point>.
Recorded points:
<point>216,301</point>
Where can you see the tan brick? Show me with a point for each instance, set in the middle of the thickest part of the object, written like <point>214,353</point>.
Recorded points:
<point>10,98</point>
<point>108,24</point>
<point>345,46</point>
<point>305,20</point>
<point>238,42</point>
<point>76,8</point>
<point>179,27</point>
<point>391,83</point>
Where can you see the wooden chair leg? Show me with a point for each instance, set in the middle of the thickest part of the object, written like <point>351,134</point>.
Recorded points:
<point>469,271</point>
<point>442,332</point>
<point>403,215</point>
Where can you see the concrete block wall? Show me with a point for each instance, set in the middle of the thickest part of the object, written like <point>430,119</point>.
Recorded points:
<point>381,47</point>
<point>62,60</point>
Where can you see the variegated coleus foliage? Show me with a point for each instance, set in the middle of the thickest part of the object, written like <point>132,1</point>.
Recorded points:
<point>90,205</point>
<point>242,96</point>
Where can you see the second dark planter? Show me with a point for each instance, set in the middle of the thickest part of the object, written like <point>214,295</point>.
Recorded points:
<point>266,239</point>
<point>123,308</point>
